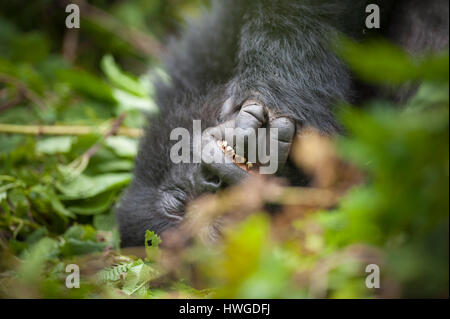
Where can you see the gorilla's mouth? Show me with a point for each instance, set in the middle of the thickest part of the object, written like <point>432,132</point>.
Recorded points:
<point>238,160</point>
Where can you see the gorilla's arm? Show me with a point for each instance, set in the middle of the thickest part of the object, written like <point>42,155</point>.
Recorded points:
<point>203,58</point>
<point>275,51</point>
<point>286,63</point>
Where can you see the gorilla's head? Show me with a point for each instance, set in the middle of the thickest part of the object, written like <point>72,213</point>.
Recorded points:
<point>163,184</point>
<point>160,189</point>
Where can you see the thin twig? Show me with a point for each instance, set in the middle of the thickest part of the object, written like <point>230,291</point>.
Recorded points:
<point>70,44</point>
<point>139,40</point>
<point>24,90</point>
<point>64,130</point>
<point>13,102</point>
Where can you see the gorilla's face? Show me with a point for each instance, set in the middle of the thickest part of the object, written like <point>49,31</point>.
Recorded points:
<point>163,186</point>
<point>156,205</point>
<point>160,190</point>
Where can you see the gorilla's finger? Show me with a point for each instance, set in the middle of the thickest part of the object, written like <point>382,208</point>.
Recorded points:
<point>218,132</point>
<point>285,134</point>
<point>251,117</point>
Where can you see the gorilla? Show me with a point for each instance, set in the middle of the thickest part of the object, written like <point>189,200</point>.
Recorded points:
<point>252,64</point>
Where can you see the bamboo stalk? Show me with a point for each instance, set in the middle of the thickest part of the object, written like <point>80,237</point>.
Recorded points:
<point>65,130</point>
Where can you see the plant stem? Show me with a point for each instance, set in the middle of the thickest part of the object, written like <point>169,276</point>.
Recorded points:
<point>64,130</point>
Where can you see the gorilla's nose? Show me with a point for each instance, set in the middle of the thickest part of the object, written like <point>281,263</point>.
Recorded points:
<point>207,180</point>
<point>213,177</point>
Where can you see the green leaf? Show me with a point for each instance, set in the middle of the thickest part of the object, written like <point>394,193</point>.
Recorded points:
<point>35,259</point>
<point>93,206</point>
<point>59,207</point>
<point>115,166</point>
<point>82,232</point>
<point>381,62</point>
<point>84,186</point>
<point>114,273</point>
<point>105,221</point>
<point>88,84</point>
<point>129,102</point>
<point>137,279</point>
<point>152,242</point>
<point>45,200</point>
<point>123,146</point>
<point>54,145</point>
<point>243,248</point>
<point>81,239</point>
<point>119,78</point>
<point>73,247</point>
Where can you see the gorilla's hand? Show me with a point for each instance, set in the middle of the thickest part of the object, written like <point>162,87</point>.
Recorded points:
<point>255,140</point>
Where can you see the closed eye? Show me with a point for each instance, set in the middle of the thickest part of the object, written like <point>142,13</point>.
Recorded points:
<point>172,204</point>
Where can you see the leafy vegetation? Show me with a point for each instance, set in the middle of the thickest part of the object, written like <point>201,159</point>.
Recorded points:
<point>69,131</point>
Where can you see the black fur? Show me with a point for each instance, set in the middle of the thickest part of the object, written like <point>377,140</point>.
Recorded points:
<point>275,51</point>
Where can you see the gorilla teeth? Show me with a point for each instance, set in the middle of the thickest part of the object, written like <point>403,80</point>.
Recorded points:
<point>238,160</point>
<point>229,151</point>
